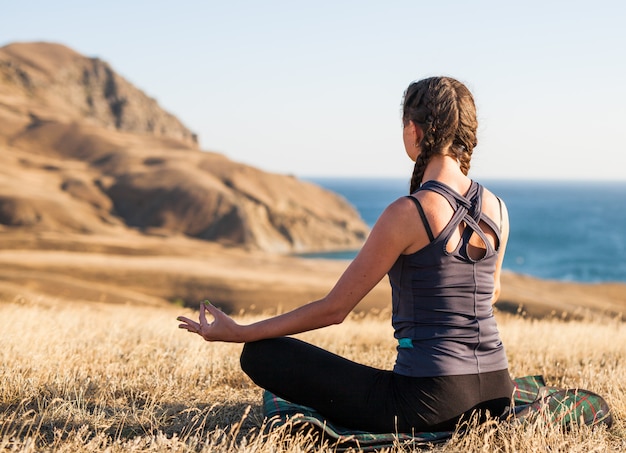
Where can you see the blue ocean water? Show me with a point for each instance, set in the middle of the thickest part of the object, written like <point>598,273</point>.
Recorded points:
<point>567,231</point>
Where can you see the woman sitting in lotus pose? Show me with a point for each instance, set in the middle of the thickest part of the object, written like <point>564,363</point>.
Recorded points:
<point>442,247</point>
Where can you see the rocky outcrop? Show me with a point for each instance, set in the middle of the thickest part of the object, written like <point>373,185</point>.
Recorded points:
<point>56,78</point>
<point>82,150</point>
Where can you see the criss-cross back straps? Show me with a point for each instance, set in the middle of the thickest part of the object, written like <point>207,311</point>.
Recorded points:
<point>466,209</point>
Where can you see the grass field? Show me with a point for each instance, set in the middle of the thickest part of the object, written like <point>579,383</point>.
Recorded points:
<point>123,378</point>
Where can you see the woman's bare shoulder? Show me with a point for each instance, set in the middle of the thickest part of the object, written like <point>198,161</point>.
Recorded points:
<point>494,206</point>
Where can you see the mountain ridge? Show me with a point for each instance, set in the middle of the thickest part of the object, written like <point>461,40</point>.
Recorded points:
<point>85,88</point>
<point>89,152</point>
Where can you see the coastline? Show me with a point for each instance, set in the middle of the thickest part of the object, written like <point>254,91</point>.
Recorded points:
<point>590,249</point>
<point>55,269</point>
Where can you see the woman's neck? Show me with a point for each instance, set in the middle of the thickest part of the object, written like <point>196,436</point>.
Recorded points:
<point>446,169</point>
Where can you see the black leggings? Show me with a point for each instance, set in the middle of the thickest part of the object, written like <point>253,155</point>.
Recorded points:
<point>365,398</point>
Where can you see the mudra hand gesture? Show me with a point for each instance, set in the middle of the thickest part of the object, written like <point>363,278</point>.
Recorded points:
<point>223,328</point>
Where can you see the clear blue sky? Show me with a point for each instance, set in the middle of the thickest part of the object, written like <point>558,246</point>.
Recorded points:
<point>314,88</point>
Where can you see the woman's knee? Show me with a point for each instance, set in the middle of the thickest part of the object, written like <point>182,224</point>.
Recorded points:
<point>256,355</point>
<point>247,357</point>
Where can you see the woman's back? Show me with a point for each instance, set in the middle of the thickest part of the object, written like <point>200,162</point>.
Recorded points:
<point>442,294</point>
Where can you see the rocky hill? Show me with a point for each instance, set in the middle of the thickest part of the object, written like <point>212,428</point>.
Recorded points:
<point>84,151</point>
<point>50,81</point>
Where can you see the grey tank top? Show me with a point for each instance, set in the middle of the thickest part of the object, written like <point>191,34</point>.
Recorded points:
<point>442,311</point>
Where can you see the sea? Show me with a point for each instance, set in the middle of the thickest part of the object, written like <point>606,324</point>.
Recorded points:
<point>564,231</point>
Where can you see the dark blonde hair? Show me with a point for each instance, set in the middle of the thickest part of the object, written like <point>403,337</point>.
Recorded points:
<point>445,111</point>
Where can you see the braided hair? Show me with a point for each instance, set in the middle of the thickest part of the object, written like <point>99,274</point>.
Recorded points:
<point>445,111</point>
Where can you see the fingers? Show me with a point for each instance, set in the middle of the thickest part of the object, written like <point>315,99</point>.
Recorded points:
<point>212,309</point>
<point>185,320</point>
<point>197,327</point>
<point>203,321</point>
<point>188,324</point>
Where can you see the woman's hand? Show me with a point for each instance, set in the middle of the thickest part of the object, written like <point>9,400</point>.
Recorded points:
<point>223,328</point>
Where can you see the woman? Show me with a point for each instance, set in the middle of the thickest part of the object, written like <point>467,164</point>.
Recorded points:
<point>442,248</point>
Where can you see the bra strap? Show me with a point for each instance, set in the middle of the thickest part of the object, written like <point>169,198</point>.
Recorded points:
<point>423,216</point>
<point>500,204</point>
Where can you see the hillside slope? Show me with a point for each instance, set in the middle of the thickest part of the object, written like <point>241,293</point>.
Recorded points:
<point>84,151</point>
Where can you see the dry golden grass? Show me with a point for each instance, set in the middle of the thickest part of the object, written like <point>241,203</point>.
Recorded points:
<point>123,378</point>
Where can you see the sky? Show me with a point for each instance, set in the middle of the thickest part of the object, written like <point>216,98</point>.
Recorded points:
<point>315,88</point>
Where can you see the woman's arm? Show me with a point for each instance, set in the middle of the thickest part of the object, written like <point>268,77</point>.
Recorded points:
<point>391,235</point>
<point>504,237</point>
